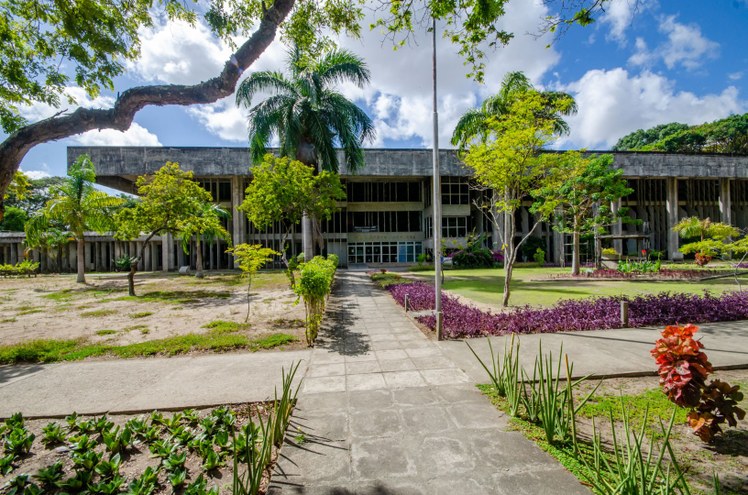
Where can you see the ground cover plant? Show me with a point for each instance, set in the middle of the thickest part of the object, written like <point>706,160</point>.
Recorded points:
<point>462,320</point>
<point>60,320</point>
<point>226,449</point>
<point>618,436</point>
<point>546,286</point>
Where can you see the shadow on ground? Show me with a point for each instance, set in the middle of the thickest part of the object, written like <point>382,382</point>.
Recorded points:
<point>339,332</point>
<point>10,373</point>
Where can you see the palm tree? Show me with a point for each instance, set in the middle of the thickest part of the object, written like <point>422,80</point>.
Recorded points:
<point>308,116</point>
<point>474,124</point>
<point>78,207</point>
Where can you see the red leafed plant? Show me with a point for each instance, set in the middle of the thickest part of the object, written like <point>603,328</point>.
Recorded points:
<point>683,369</point>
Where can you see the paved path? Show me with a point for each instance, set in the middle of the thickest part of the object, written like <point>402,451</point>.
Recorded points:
<point>385,411</point>
<point>96,387</point>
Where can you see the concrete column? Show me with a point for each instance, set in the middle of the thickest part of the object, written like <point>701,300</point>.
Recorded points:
<point>180,257</point>
<point>617,227</point>
<point>147,259</point>
<point>497,231</point>
<point>72,255</point>
<point>166,243</point>
<point>524,220</point>
<point>671,205</point>
<point>725,202</point>
<point>238,218</point>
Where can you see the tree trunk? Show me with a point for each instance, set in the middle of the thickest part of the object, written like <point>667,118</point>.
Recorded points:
<point>198,258</point>
<point>575,248</point>
<point>508,267</point>
<point>131,278</point>
<point>510,255</point>
<point>249,296</point>
<point>80,256</point>
<point>120,117</point>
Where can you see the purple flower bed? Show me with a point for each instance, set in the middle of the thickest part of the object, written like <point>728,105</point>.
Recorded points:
<point>665,308</point>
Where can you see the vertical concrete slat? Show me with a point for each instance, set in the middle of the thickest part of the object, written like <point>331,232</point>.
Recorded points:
<point>671,204</point>
<point>725,202</point>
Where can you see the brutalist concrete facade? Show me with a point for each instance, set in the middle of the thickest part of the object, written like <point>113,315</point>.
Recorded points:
<point>667,187</point>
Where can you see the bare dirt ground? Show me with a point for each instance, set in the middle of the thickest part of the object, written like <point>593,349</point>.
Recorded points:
<point>167,305</point>
<point>726,456</point>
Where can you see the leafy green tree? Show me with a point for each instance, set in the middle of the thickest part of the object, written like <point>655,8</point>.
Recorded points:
<point>728,135</point>
<point>584,192</point>
<point>251,257</point>
<point>76,206</point>
<point>14,220</point>
<point>474,124</point>
<point>284,190</point>
<point>641,138</point>
<point>168,201</point>
<point>206,223</point>
<point>509,163</point>
<point>309,117</point>
<point>36,196</point>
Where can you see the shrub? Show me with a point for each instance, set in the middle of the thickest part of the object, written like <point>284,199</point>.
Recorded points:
<point>314,285</point>
<point>475,255</point>
<point>461,320</point>
<point>24,268</point>
<point>683,369</point>
<point>539,257</point>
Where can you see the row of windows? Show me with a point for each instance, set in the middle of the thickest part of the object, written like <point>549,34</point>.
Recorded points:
<point>455,191</point>
<point>220,189</point>
<point>451,227</point>
<point>366,192</point>
<point>383,252</point>
<point>384,221</point>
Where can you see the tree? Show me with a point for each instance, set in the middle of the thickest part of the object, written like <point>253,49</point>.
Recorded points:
<point>251,258</point>
<point>509,163</point>
<point>308,116</point>
<point>728,135</point>
<point>713,237</point>
<point>284,190</point>
<point>204,223</point>
<point>77,207</point>
<point>474,124</point>
<point>35,197</point>
<point>584,192</point>
<point>14,219</point>
<point>169,198</point>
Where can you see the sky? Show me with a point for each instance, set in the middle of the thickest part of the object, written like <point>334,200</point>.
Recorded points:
<point>643,63</point>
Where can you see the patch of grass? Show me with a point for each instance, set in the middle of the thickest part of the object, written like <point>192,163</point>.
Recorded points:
<point>177,296</point>
<point>46,351</point>
<point>141,314</point>
<point>218,327</point>
<point>531,285</point>
<point>98,313</point>
<point>30,311</point>
<point>659,406</point>
<point>145,331</point>
<point>386,279</point>
<point>285,323</point>
<point>104,332</point>
<point>63,295</point>
<point>9,320</point>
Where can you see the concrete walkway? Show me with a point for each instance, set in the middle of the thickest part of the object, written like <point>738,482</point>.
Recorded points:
<point>384,411</point>
<point>133,385</point>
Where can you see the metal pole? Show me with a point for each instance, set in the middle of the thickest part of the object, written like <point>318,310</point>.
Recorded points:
<point>437,210</point>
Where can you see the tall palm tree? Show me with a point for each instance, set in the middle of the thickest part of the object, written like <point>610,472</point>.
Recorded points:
<point>474,123</point>
<point>308,116</point>
<point>78,207</point>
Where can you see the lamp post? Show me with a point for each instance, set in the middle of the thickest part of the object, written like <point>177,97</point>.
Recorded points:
<point>437,209</point>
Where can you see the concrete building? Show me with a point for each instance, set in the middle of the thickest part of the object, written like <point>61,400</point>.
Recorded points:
<point>387,217</point>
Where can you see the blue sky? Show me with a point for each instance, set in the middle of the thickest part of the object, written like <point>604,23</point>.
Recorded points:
<point>642,64</point>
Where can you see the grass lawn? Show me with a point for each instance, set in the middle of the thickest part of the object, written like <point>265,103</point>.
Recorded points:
<point>530,286</point>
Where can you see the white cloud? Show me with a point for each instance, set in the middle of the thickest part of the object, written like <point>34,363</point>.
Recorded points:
<point>136,135</point>
<point>178,53</point>
<point>613,103</point>
<point>685,46</point>
<point>399,96</point>
<point>735,76</point>
<point>37,174</point>
<point>618,15</point>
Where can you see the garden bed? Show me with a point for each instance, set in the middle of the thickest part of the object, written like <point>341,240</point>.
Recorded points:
<point>663,275</point>
<point>461,320</point>
<point>727,457</point>
<point>183,452</point>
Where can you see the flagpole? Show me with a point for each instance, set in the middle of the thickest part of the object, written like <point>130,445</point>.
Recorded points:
<point>437,209</point>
